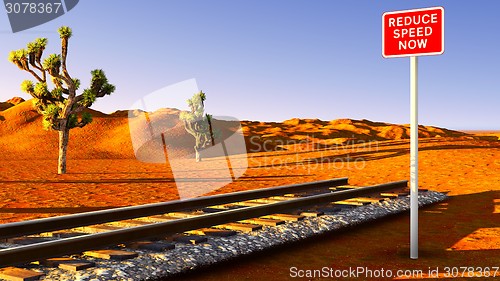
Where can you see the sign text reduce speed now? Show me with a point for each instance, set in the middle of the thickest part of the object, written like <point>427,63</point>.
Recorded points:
<point>413,32</point>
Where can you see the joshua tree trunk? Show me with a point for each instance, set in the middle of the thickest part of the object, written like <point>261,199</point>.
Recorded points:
<point>198,155</point>
<point>63,147</point>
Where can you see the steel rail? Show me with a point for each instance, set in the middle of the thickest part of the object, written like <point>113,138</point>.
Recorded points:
<point>28,253</point>
<point>17,229</point>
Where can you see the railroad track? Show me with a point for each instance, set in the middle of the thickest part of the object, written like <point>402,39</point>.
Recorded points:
<point>55,241</point>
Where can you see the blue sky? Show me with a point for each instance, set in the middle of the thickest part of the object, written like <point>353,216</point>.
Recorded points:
<point>274,60</point>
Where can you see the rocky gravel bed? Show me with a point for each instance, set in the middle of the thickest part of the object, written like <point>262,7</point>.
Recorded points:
<point>152,265</point>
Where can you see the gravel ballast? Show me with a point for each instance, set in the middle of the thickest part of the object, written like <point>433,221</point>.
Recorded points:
<point>153,265</point>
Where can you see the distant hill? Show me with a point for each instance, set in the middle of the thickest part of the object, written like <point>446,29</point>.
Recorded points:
<point>22,136</point>
<point>338,132</point>
<point>108,136</point>
<point>10,103</point>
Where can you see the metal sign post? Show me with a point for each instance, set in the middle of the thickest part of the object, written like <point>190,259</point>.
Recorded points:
<point>413,33</point>
<point>414,157</point>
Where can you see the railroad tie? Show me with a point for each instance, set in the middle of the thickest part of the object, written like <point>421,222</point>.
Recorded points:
<point>310,213</point>
<point>350,202</point>
<point>268,200</point>
<point>98,228</point>
<point>64,234</point>
<point>183,215</point>
<point>28,240</point>
<point>210,210</point>
<point>212,232</point>
<point>245,227</point>
<point>151,246</point>
<point>285,217</point>
<point>332,208</point>
<point>223,207</point>
<point>19,274</point>
<point>317,191</point>
<point>190,239</point>
<point>67,263</point>
<point>344,187</point>
<point>282,198</point>
<point>394,194</point>
<point>262,221</point>
<point>369,199</point>
<point>128,223</point>
<point>250,203</point>
<point>158,218</point>
<point>76,266</point>
<point>111,254</point>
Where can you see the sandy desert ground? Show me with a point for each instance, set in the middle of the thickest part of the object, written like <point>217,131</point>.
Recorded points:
<point>103,173</point>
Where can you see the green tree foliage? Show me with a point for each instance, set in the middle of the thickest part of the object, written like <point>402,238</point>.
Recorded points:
<point>61,106</point>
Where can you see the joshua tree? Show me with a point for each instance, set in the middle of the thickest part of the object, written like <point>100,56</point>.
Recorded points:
<point>61,105</point>
<point>198,124</point>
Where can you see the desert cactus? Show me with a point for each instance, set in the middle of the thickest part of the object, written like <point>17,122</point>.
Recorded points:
<point>60,105</point>
<point>198,124</point>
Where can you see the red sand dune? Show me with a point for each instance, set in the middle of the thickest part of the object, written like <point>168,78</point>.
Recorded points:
<point>108,136</point>
<point>336,132</point>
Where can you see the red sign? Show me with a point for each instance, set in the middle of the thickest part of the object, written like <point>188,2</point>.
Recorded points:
<point>413,32</point>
